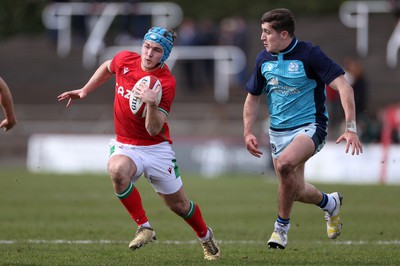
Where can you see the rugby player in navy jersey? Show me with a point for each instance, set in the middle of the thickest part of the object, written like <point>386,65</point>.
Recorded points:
<point>292,75</point>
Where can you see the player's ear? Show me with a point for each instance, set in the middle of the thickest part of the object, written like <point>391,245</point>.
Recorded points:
<point>284,34</point>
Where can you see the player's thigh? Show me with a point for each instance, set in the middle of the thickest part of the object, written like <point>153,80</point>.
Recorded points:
<point>298,151</point>
<point>160,168</point>
<point>121,166</point>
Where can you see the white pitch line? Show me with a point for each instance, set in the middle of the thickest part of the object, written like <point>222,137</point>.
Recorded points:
<point>177,242</point>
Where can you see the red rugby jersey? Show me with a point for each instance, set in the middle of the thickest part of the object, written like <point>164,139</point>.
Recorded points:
<point>130,129</point>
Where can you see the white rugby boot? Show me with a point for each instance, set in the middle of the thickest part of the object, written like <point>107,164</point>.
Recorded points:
<point>210,248</point>
<point>333,222</point>
<point>278,239</point>
<point>143,236</point>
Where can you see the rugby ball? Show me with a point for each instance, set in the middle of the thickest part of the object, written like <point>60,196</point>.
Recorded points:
<point>138,107</point>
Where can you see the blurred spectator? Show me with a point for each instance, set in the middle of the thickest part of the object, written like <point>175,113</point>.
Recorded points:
<point>207,36</point>
<point>198,73</point>
<point>79,27</point>
<point>233,31</point>
<point>187,32</point>
<point>334,110</point>
<point>131,27</point>
<point>356,77</point>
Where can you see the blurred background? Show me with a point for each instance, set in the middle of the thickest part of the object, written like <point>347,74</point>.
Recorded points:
<point>47,47</point>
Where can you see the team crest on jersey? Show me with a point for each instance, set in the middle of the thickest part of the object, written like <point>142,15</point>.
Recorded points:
<point>126,70</point>
<point>293,67</point>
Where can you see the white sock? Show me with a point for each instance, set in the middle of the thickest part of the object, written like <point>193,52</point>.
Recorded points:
<point>282,227</point>
<point>202,239</point>
<point>146,224</point>
<point>331,205</point>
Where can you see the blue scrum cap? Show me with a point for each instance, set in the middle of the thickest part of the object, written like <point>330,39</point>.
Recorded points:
<point>163,37</point>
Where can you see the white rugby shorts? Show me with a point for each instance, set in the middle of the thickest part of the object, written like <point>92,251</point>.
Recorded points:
<point>279,140</point>
<point>156,162</point>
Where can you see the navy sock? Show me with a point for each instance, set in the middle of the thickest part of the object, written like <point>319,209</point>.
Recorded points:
<point>324,201</point>
<point>283,221</point>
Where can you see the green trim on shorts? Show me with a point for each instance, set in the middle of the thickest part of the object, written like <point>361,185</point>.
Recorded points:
<point>112,149</point>
<point>191,211</point>
<point>176,168</point>
<point>124,194</point>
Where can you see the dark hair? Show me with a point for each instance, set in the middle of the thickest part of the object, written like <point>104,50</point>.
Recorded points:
<point>281,19</point>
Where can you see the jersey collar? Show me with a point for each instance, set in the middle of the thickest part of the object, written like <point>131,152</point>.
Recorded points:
<point>288,49</point>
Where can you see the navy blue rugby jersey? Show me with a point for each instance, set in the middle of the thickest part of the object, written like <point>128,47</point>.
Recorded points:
<point>294,81</point>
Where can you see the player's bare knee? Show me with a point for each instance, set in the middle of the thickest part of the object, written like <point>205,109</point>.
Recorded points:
<point>284,167</point>
<point>116,174</point>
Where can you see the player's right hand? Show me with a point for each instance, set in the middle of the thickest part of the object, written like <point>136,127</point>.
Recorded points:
<point>252,145</point>
<point>74,94</point>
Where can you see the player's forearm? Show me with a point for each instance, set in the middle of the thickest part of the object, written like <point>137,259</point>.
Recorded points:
<point>348,103</point>
<point>250,111</point>
<point>101,75</point>
<point>6,101</point>
<point>346,93</point>
<point>154,120</point>
<point>8,109</point>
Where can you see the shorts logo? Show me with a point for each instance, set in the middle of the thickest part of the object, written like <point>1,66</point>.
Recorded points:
<point>170,170</point>
<point>273,148</point>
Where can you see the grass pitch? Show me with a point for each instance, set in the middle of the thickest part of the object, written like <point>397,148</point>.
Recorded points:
<point>48,219</point>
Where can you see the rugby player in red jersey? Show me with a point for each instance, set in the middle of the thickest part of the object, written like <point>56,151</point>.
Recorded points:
<point>143,144</point>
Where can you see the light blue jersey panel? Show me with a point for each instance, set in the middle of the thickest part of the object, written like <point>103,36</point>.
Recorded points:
<point>290,95</point>
<point>294,81</point>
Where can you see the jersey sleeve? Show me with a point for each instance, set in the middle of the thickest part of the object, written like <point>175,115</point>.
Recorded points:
<point>256,83</point>
<point>324,67</point>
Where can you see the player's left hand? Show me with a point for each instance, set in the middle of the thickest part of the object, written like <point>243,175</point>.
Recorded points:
<point>144,93</point>
<point>352,140</point>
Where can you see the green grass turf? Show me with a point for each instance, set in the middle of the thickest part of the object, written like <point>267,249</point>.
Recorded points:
<point>48,219</point>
